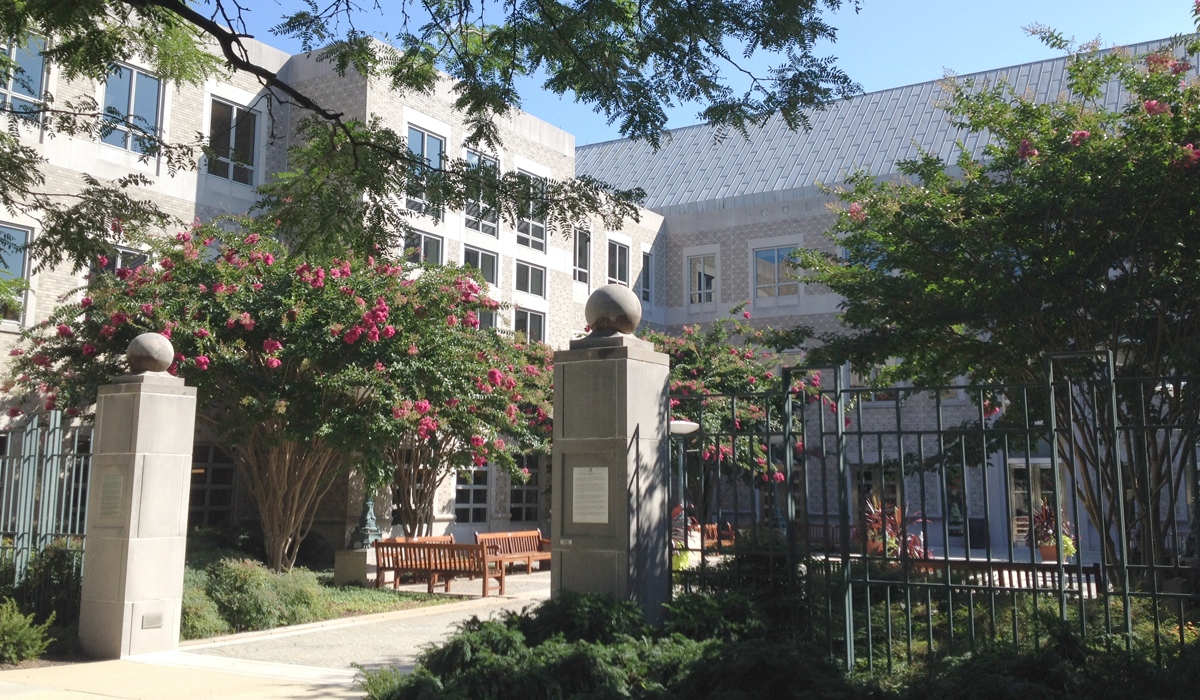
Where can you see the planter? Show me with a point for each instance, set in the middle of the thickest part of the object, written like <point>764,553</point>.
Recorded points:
<point>1048,552</point>
<point>874,547</point>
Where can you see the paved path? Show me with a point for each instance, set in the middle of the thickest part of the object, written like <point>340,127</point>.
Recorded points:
<point>307,662</point>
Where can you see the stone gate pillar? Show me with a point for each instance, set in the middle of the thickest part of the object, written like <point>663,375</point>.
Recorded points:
<point>137,512</point>
<point>609,510</point>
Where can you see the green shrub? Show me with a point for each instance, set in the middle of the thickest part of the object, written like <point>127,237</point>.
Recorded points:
<point>589,617</point>
<point>20,638</point>
<point>300,593</point>
<point>244,593</point>
<point>718,616</point>
<point>200,617</point>
<point>53,582</point>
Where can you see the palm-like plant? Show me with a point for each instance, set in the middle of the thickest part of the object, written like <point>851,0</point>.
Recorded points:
<point>888,526</point>
<point>1042,533</point>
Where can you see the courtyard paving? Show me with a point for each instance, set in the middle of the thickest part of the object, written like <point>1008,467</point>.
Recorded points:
<point>306,662</point>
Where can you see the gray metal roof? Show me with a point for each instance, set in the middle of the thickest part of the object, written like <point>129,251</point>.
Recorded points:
<point>693,171</point>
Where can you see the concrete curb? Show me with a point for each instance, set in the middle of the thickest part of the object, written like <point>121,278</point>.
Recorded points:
<point>290,673</point>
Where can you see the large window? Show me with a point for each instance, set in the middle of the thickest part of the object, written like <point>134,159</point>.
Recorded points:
<point>702,278</point>
<point>483,261</point>
<point>131,100</point>
<point>480,217</point>
<point>211,502</point>
<point>618,263</point>
<point>526,496</point>
<point>532,324</point>
<point>22,90</point>
<point>772,273</point>
<point>424,247</point>
<point>583,255</point>
<point>644,280</point>
<point>122,259</point>
<point>428,148</point>
<point>12,265</point>
<point>471,496</point>
<point>231,136</point>
<point>531,224</point>
<point>531,279</point>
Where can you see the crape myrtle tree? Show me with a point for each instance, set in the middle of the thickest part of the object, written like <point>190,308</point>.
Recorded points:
<point>304,366</point>
<point>629,62</point>
<point>727,378</point>
<point>1073,230</point>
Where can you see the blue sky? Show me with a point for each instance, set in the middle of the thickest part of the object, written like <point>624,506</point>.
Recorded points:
<point>890,43</point>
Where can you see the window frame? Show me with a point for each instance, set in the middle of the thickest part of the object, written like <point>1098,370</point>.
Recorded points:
<point>209,486</point>
<point>19,318</point>
<point>416,201</point>
<point>776,263</point>
<point>520,492</point>
<point>615,249</point>
<point>123,125</point>
<point>252,167</point>
<point>531,232</point>
<point>8,88</point>
<point>471,487</point>
<point>487,217</point>
<point>696,295</point>
<point>529,314</point>
<point>582,273</point>
<point>420,243</point>
<point>645,279</point>
<point>481,253</point>
<point>526,270</point>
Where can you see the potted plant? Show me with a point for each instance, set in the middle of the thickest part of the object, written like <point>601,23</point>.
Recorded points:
<point>1042,533</point>
<point>887,529</point>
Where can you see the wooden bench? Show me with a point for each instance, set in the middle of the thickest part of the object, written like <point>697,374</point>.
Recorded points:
<point>717,537</point>
<point>525,547</point>
<point>440,561</point>
<point>1016,576</point>
<point>432,539</point>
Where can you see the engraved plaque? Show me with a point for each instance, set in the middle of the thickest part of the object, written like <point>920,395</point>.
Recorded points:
<point>589,502</point>
<point>111,491</point>
<point>152,621</point>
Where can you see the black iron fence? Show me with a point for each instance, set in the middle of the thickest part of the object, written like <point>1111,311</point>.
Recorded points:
<point>44,465</point>
<point>912,523</point>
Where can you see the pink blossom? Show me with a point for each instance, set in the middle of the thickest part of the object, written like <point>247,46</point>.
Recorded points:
<point>251,239</point>
<point>352,335</point>
<point>209,241</point>
<point>256,286</point>
<point>498,444</point>
<point>1155,108</point>
<point>167,264</point>
<point>425,426</point>
<point>412,349</point>
<point>246,321</point>
<point>422,407</point>
<point>389,331</point>
<point>85,302</point>
<point>857,212</point>
<point>166,332</point>
<point>1190,157</point>
<point>495,376</point>
<point>148,309</point>
<point>218,287</point>
<point>231,323</point>
<point>1026,150</point>
<point>183,237</point>
<point>64,331</point>
<point>745,314</point>
<point>201,361</point>
<point>451,320</point>
<point>102,260</point>
<point>16,352</point>
<point>203,288</point>
<point>525,471</point>
<point>118,318</point>
<point>779,476</point>
<point>270,346</point>
<point>379,366</point>
<point>201,333</point>
<point>89,349</point>
<point>373,334</point>
<point>1078,137</point>
<point>14,412</point>
<point>752,379</point>
<point>273,362</point>
<point>478,441</point>
<point>106,331</point>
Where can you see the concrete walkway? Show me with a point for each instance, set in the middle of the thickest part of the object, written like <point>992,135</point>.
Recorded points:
<point>306,661</point>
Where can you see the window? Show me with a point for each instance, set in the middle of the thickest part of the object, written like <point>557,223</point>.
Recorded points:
<point>471,496</point>
<point>487,319</point>
<point>531,279</point>
<point>618,263</point>
<point>231,135</point>
<point>772,273</point>
<point>532,324</point>
<point>483,261</point>
<point>428,148</point>
<point>644,282</point>
<point>480,217</point>
<point>122,259</point>
<point>1031,483</point>
<point>12,265</point>
<point>131,108</point>
<point>583,255</point>
<point>424,247</point>
<point>22,91</point>
<point>702,278</point>
<point>526,496</point>
<point>531,224</point>
<point>211,502</point>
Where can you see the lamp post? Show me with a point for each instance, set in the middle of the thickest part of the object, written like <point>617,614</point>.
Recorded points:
<point>681,429</point>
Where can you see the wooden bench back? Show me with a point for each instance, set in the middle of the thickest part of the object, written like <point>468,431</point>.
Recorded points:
<point>433,539</point>
<point>432,556</point>
<point>1018,576</point>
<point>522,542</point>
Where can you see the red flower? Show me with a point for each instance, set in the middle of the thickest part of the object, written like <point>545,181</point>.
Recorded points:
<point>89,349</point>
<point>273,362</point>
<point>14,412</point>
<point>85,302</point>
<point>201,362</point>
<point>270,346</point>
<point>412,349</point>
<point>118,318</point>
<point>64,331</point>
<point>201,333</point>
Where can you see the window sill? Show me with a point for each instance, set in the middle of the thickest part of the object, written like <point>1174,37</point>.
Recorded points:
<point>774,302</point>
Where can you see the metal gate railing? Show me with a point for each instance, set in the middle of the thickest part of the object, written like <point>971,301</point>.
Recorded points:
<point>918,522</point>
<point>44,467</point>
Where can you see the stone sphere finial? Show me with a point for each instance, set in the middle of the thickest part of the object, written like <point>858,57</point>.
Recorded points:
<point>149,352</point>
<point>613,309</point>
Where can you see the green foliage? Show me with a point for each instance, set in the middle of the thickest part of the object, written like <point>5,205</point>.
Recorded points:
<point>20,638</point>
<point>724,616</point>
<point>200,618</point>
<point>244,594</point>
<point>53,582</point>
<point>590,617</point>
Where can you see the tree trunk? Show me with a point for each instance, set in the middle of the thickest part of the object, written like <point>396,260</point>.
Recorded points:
<point>287,480</point>
<point>419,474</point>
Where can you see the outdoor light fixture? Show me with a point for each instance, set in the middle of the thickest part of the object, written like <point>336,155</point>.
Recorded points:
<point>683,427</point>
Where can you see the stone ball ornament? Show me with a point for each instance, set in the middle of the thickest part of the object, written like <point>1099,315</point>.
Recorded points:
<point>613,309</point>
<point>149,352</point>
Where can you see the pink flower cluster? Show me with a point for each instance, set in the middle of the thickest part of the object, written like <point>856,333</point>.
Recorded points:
<point>1155,108</point>
<point>371,320</point>
<point>1078,137</point>
<point>1026,150</point>
<point>1190,157</point>
<point>857,212</point>
<point>314,276</point>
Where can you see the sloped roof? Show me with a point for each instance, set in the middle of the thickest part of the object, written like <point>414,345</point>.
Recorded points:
<point>693,171</point>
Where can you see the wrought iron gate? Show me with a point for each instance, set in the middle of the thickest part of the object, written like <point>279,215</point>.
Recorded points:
<point>44,466</point>
<point>910,519</point>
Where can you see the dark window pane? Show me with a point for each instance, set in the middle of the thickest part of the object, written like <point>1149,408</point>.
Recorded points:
<point>145,109</point>
<point>480,496</point>
<point>200,453</point>
<point>517,496</point>
<point>197,498</point>
<point>479,515</point>
<point>221,475</point>
<point>220,127</point>
<point>28,80</point>
<point>462,496</point>
<point>217,517</point>
<point>220,457</point>
<point>220,498</point>
<point>199,476</point>
<point>517,514</point>
<point>243,137</point>
<point>480,477</point>
<point>462,515</point>
<point>243,175</point>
